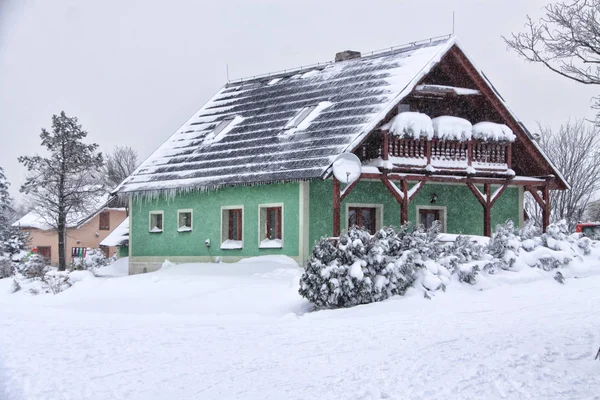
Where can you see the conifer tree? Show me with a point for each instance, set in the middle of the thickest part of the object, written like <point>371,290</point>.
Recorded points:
<point>66,181</point>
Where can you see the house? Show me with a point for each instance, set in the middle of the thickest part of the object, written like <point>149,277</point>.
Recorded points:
<point>119,238</point>
<point>83,231</point>
<point>250,173</point>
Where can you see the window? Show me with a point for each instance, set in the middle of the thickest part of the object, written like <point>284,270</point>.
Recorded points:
<point>270,226</point>
<point>426,215</point>
<point>155,224</point>
<point>45,252</point>
<point>224,127</point>
<point>184,220</point>
<point>104,221</point>
<point>365,217</point>
<point>294,122</point>
<point>232,227</point>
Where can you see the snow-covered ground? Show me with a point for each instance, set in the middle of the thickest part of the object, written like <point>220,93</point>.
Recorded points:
<point>240,331</point>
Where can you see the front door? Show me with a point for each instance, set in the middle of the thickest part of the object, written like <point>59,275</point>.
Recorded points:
<point>427,217</point>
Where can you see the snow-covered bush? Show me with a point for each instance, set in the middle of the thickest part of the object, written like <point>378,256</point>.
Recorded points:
<point>35,267</point>
<point>93,259</point>
<point>361,268</point>
<point>6,268</point>
<point>57,281</point>
<point>555,234</point>
<point>504,246</point>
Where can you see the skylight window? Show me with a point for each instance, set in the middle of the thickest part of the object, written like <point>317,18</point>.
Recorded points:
<point>223,127</point>
<point>294,122</point>
<point>307,115</point>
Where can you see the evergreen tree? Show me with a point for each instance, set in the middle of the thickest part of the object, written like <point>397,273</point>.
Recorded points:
<point>67,180</point>
<point>12,241</point>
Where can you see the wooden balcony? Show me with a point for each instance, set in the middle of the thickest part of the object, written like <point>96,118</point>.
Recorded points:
<point>446,154</point>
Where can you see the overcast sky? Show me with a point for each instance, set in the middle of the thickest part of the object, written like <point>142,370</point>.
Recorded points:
<point>134,71</point>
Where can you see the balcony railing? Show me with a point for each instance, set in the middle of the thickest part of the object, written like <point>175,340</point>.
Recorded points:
<point>449,153</point>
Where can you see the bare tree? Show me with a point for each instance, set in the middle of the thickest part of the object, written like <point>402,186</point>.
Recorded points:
<point>65,184</point>
<point>592,212</point>
<point>120,163</point>
<point>566,40</point>
<point>575,150</point>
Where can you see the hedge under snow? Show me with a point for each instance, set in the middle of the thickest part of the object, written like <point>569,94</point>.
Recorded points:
<point>360,268</point>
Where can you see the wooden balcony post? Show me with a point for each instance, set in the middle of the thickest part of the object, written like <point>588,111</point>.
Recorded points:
<point>336,208</point>
<point>546,208</point>
<point>428,151</point>
<point>405,200</point>
<point>487,211</point>
<point>469,153</point>
<point>385,146</point>
<point>509,155</point>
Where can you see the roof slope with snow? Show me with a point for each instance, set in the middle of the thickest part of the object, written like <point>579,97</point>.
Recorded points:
<point>119,236</point>
<point>351,97</point>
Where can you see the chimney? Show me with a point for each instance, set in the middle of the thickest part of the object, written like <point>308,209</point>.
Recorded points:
<point>346,55</point>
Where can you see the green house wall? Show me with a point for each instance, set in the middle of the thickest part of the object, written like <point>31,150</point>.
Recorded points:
<point>464,214</point>
<point>310,202</point>
<point>206,222</point>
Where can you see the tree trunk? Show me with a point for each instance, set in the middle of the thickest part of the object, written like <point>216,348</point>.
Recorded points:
<point>62,230</point>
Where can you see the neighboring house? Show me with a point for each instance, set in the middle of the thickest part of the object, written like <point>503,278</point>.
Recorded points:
<point>250,173</point>
<point>82,232</point>
<point>119,238</point>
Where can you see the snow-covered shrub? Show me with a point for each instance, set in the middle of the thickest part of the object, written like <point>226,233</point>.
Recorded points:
<point>466,249</point>
<point>550,262</point>
<point>585,244</point>
<point>35,267</point>
<point>504,246</point>
<point>468,273</point>
<point>6,268</point>
<point>555,234</point>
<point>57,281</point>
<point>93,259</point>
<point>15,286</point>
<point>362,269</point>
<point>529,230</point>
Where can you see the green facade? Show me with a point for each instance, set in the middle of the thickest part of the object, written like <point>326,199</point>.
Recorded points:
<point>464,215</point>
<point>206,218</point>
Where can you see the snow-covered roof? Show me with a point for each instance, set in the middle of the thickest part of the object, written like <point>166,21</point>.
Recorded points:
<point>40,220</point>
<point>119,235</point>
<point>358,94</point>
<point>340,104</point>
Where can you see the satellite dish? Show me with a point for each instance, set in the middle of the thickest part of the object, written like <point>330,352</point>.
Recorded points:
<point>346,168</point>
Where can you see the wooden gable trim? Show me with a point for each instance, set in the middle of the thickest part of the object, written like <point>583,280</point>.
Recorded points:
<point>489,93</point>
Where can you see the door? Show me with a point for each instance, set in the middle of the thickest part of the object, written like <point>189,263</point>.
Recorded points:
<point>427,217</point>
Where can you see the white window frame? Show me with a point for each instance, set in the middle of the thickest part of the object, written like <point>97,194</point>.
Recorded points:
<point>185,210</point>
<point>443,215</point>
<point>156,212</point>
<point>225,226</point>
<point>378,213</point>
<point>261,232</point>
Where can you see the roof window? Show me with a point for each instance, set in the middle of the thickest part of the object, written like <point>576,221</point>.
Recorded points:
<point>223,128</point>
<point>308,114</point>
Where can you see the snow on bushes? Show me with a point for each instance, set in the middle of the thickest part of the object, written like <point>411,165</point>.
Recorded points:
<point>360,268</point>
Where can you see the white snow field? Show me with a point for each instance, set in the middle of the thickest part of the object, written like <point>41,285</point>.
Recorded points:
<point>241,331</point>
